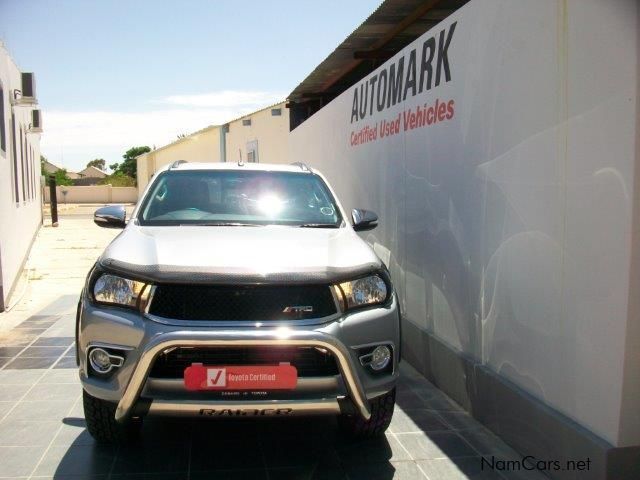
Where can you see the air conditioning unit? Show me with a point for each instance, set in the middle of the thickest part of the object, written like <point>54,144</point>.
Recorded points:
<point>36,122</point>
<point>27,95</point>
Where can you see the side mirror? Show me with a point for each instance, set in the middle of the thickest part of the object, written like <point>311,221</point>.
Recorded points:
<point>112,216</point>
<point>363,220</point>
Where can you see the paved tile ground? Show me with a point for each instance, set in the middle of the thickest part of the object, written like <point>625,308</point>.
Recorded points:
<point>43,435</point>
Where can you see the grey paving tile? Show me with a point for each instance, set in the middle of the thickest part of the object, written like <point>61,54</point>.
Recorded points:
<point>299,451</point>
<point>486,443</point>
<point>232,475</point>
<point>460,420</point>
<point>524,475</point>
<point>39,318</point>
<point>13,392</point>
<point>25,377</point>
<point>10,351</point>
<point>168,431</point>
<point>226,454</point>
<point>61,376</point>
<point>54,342</point>
<point>416,420</point>
<point>154,476</point>
<point>73,432</point>
<point>39,352</point>
<point>470,468</point>
<point>437,401</point>
<point>19,461</point>
<point>26,334</point>
<point>6,407</point>
<point>407,399</point>
<point>382,449</point>
<point>66,363</point>
<point>41,410</point>
<point>408,470</point>
<point>64,327</point>
<point>4,361</point>
<point>76,460</point>
<point>25,433</point>
<point>69,477</point>
<point>307,473</point>
<point>158,458</point>
<point>435,445</point>
<point>29,363</point>
<point>54,391</point>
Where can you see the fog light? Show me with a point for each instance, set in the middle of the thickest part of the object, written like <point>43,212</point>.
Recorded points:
<point>380,357</point>
<point>100,360</point>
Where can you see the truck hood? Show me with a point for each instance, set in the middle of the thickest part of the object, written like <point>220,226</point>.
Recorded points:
<point>214,254</point>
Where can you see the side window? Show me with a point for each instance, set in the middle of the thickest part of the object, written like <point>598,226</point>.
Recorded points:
<point>3,135</point>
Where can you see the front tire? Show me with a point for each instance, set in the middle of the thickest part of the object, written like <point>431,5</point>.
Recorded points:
<point>101,421</point>
<point>356,427</point>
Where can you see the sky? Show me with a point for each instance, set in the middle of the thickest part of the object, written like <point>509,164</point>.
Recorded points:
<point>112,74</point>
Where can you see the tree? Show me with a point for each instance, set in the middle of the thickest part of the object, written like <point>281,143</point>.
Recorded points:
<point>98,163</point>
<point>129,167</point>
<point>118,179</point>
<point>60,175</point>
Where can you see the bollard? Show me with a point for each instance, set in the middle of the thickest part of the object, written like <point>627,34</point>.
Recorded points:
<point>53,200</point>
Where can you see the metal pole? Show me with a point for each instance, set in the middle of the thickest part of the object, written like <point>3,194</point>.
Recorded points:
<point>53,200</point>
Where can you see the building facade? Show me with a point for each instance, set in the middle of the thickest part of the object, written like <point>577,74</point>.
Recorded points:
<point>20,184</point>
<point>500,150</point>
<point>260,136</point>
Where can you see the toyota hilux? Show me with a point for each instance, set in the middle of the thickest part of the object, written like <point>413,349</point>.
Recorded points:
<point>237,290</point>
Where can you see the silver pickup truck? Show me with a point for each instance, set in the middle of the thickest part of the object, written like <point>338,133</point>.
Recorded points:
<point>237,290</point>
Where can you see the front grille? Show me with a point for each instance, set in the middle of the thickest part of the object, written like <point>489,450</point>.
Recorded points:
<point>309,361</point>
<point>256,302</point>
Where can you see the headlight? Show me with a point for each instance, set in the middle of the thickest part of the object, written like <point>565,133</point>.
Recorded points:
<point>117,290</point>
<point>364,291</point>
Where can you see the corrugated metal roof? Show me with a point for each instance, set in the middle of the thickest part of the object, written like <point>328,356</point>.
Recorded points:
<point>391,27</point>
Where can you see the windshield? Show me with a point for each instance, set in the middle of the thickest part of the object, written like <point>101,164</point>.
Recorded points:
<point>223,197</point>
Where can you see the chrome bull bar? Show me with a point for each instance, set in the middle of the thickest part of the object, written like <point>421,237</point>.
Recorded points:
<point>277,337</point>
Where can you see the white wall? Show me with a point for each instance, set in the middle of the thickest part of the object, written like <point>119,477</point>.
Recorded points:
<point>20,211</point>
<point>508,226</point>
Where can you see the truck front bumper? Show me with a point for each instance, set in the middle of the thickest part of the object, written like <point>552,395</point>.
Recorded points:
<point>143,339</point>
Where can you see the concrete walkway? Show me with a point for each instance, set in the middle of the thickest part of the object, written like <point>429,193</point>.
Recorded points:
<point>43,435</point>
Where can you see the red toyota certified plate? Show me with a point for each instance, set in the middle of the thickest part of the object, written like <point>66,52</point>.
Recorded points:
<point>246,377</point>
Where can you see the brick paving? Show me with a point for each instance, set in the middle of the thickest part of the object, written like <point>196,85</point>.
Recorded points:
<point>43,434</point>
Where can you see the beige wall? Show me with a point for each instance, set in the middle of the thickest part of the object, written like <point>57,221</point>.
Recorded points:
<point>94,194</point>
<point>202,146</point>
<point>270,132</point>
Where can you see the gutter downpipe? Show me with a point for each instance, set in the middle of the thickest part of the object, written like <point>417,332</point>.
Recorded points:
<point>223,142</point>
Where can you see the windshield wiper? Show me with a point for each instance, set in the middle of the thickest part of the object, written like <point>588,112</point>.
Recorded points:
<point>221,224</point>
<point>318,225</point>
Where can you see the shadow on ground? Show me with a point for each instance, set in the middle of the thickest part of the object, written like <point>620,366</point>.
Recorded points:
<point>291,448</point>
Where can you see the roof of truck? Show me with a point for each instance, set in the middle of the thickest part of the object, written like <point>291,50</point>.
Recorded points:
<point>263,167</point>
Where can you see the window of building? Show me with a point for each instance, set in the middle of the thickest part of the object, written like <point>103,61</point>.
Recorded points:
<point>276,112</point>
<point>34,167</point>
<point>3,138</point>
<point>14,151</point>
<point>252,151</point>
<point>22,165</point>
<point>246,122</point>
<point>27,155</point>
